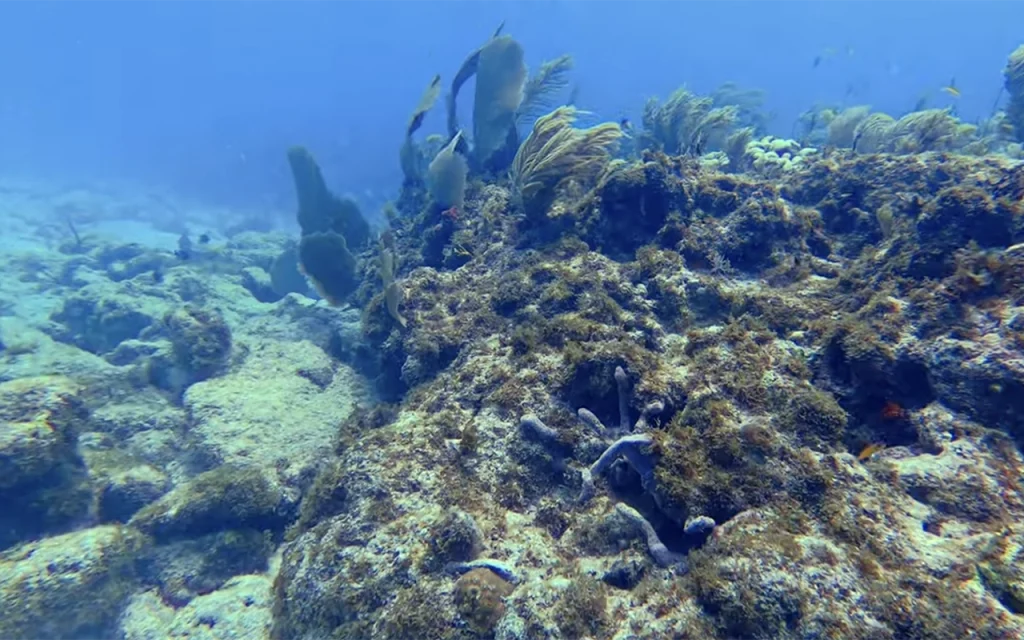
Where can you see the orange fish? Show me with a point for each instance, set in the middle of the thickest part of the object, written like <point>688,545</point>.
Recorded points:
<point>893,411</point>
<point>870,450</point>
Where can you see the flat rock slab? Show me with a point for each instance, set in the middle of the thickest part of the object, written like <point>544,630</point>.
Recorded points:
<point>281,409</point>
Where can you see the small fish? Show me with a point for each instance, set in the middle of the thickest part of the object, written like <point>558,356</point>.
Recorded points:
<point>626,126</point>
<point>182,254</point>
<point>452,213</point>
<point>204,239</point>
<point>827,54</point>
<point>870,450</point>
<point>951,89</point>
<point>697,143</point>
<point>921,104</point>
<point>574,96</point>
<point>813,122</point>
<point>158,275</point>
<point>893,411</point>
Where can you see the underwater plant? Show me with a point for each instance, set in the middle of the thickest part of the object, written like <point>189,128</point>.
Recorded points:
<point>685,124</point>
<point>330,225</point>
<point>410,155</point>
<point>500,76</point>
<point>446,177</point>
<point>1013,76</point>
<point>748,103</point>
<point>871,133</point>
<point>929,130</point>
<point>842,128</point>
<point>556,152</point>
<point>916,132</point>
<point>542,87</point>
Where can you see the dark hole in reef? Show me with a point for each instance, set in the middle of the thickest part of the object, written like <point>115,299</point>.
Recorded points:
<point>818,246</point>
<point>879,398</point>
<point>506,306</point>
<point>446,356</point>
<point>593,387</point>
<point>884,414</point>
<point>542,276</point>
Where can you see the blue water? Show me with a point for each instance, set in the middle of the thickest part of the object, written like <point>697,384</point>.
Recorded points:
<point>203,97</point>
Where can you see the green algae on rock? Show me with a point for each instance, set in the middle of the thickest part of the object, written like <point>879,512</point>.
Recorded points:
<point>68,585</point>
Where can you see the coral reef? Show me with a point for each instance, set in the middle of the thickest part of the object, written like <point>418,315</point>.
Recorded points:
<point>200,341</point>
<point>743,480</point>
<point>713,384</point>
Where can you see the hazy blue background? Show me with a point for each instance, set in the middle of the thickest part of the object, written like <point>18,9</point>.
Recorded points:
<point>205,97</point>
